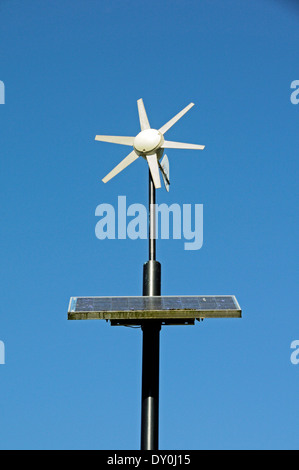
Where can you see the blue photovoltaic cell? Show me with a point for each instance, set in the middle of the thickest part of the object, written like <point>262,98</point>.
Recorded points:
<point>155,307</point>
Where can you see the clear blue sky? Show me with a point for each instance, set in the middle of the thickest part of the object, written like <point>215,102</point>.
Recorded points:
<point>74,69</point>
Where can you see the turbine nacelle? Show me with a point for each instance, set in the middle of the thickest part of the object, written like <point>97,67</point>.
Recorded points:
<point>150,145</point>
<point>148,142</point>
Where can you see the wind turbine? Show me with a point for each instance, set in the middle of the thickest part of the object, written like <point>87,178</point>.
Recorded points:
<point>149,144</point>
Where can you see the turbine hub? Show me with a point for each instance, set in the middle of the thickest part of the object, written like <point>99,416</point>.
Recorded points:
<point>148,141</point>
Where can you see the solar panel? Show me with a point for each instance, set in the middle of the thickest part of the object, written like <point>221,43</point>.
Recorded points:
<point>156,308</point>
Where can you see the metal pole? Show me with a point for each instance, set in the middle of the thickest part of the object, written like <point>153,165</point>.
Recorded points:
<point>151,340</point>
<point>152,219</point>
<point>150,386</point>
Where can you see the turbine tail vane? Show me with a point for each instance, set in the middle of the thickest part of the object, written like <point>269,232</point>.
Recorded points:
<point>164,167</point>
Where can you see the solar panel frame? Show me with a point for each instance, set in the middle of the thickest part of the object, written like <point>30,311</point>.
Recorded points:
<point>154,308</point>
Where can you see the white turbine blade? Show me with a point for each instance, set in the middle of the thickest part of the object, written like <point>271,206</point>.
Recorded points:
<point>121,166</point>
<point>144,124</point>
<point>164,167</point>
<point>180,145</point>
<point>152,161</point>
<point>116,139</point>
<point>172,121</point>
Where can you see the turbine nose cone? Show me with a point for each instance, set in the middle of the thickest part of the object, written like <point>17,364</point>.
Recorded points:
<point>148,141</point>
